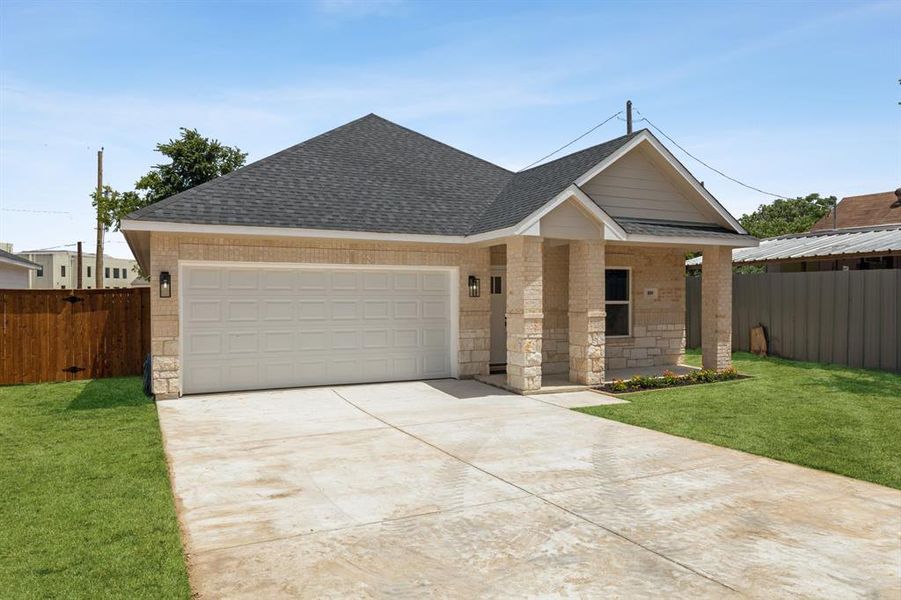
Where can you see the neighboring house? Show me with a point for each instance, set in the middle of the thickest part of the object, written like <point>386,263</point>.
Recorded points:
<point>867,235</point>
<point>58,270</point>
<point>374,253</point>
<point>14,270</point>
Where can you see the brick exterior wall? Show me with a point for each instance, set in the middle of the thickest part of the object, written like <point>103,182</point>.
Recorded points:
<point>166,249</point>
<point>555,299</point>
<point>716,308</point>
<point>658,324</point>
<point>524,313</point>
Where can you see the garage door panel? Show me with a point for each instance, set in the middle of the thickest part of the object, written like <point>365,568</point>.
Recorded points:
<point>206,310</point>
<point>278,280</point>
<point>313,309</point>
<point>406,309</point>
<point>343,310</point>
<point>278,341</point>
<point>258,327</point>
<point>345,281</point>
<point>203,279</point>
<point>377,282</point>
<point>242,279</point>
<point>317,340</point>
<point>242,310</point>
<point>376,339</point>
<point>278,310</point>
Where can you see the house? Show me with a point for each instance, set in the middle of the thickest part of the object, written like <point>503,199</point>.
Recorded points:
<point>14,270</point>
<point>58,270</point>
<point>374,253</point>
<point>860,233</point>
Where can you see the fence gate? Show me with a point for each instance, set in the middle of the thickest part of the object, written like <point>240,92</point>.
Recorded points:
<point>63,335</point>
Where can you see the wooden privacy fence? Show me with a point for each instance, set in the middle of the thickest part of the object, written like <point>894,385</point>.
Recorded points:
<point>61,335</point>
<point>845,317</point>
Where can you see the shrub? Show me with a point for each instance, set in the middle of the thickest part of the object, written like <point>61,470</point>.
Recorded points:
<point>670,379</point>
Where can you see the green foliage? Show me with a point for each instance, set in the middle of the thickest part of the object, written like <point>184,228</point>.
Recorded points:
<point>194,159</point>
<point>787,216</point>
<point>641,382</point>
<point>113,205</point>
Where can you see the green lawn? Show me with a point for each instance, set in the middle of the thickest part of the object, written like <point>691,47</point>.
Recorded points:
<point>827,417</point>
<point>86,508</point>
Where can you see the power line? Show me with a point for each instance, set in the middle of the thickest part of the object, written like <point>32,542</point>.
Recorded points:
<point>714,169</point>
<point>28,210</point>
<point>604,122</point>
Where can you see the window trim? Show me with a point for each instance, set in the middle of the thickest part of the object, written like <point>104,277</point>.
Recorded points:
<point>626,302</point>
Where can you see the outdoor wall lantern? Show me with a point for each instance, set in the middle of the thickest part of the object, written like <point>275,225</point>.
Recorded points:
<point>165,285</point>
<point>473,286</point>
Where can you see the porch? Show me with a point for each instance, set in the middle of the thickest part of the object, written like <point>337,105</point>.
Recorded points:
<point>570,314</point>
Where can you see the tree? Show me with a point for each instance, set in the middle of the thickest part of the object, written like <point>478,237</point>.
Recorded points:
<point>194,159</point>
<point>781,217</point>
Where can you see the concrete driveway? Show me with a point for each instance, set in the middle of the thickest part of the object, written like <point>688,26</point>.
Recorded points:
<point>456,489</point>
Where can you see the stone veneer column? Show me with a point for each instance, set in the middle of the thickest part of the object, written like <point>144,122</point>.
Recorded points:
<point>587,317</point>
<point>524,316</point>
<point>716,308</point>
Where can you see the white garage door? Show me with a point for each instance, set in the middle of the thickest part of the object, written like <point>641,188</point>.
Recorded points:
<point>254,327</point>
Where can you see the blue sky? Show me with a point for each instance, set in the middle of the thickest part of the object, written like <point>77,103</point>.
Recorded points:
<point>793,98</point>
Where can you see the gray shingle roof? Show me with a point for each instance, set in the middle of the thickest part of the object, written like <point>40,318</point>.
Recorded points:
<point>8,257</point>
<point>376,176</point>
<point>677,228</point>
<point>367,175</point>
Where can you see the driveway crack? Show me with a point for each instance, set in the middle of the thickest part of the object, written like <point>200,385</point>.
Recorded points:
<point>539,497</point>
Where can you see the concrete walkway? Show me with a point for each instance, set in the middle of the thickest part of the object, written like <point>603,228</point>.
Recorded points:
<point>455,489</point>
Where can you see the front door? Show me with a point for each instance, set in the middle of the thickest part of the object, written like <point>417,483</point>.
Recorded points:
<point>498,287</point>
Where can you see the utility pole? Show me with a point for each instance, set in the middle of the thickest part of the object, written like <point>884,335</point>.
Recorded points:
<point>628,117</point>
<point>78,269</point>
<point>98,264</point>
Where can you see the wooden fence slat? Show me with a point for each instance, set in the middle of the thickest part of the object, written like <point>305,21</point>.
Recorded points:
<point>41,334</point>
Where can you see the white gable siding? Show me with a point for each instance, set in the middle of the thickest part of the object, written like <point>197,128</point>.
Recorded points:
<point>569,222</point>
<point>635,187</point>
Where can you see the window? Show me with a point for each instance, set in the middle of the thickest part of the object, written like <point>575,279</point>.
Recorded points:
<point>89,271</point>
<point>62,270</point>
<point>618,302</point>
<point>62,287</point>
<point>106,272</point>
<point>496,286</point>
<point>40,272</point>
<point>115,273</point>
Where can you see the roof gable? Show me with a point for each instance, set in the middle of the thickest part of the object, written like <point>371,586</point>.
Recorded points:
<point>863,211</point>
<point>637,186</point>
